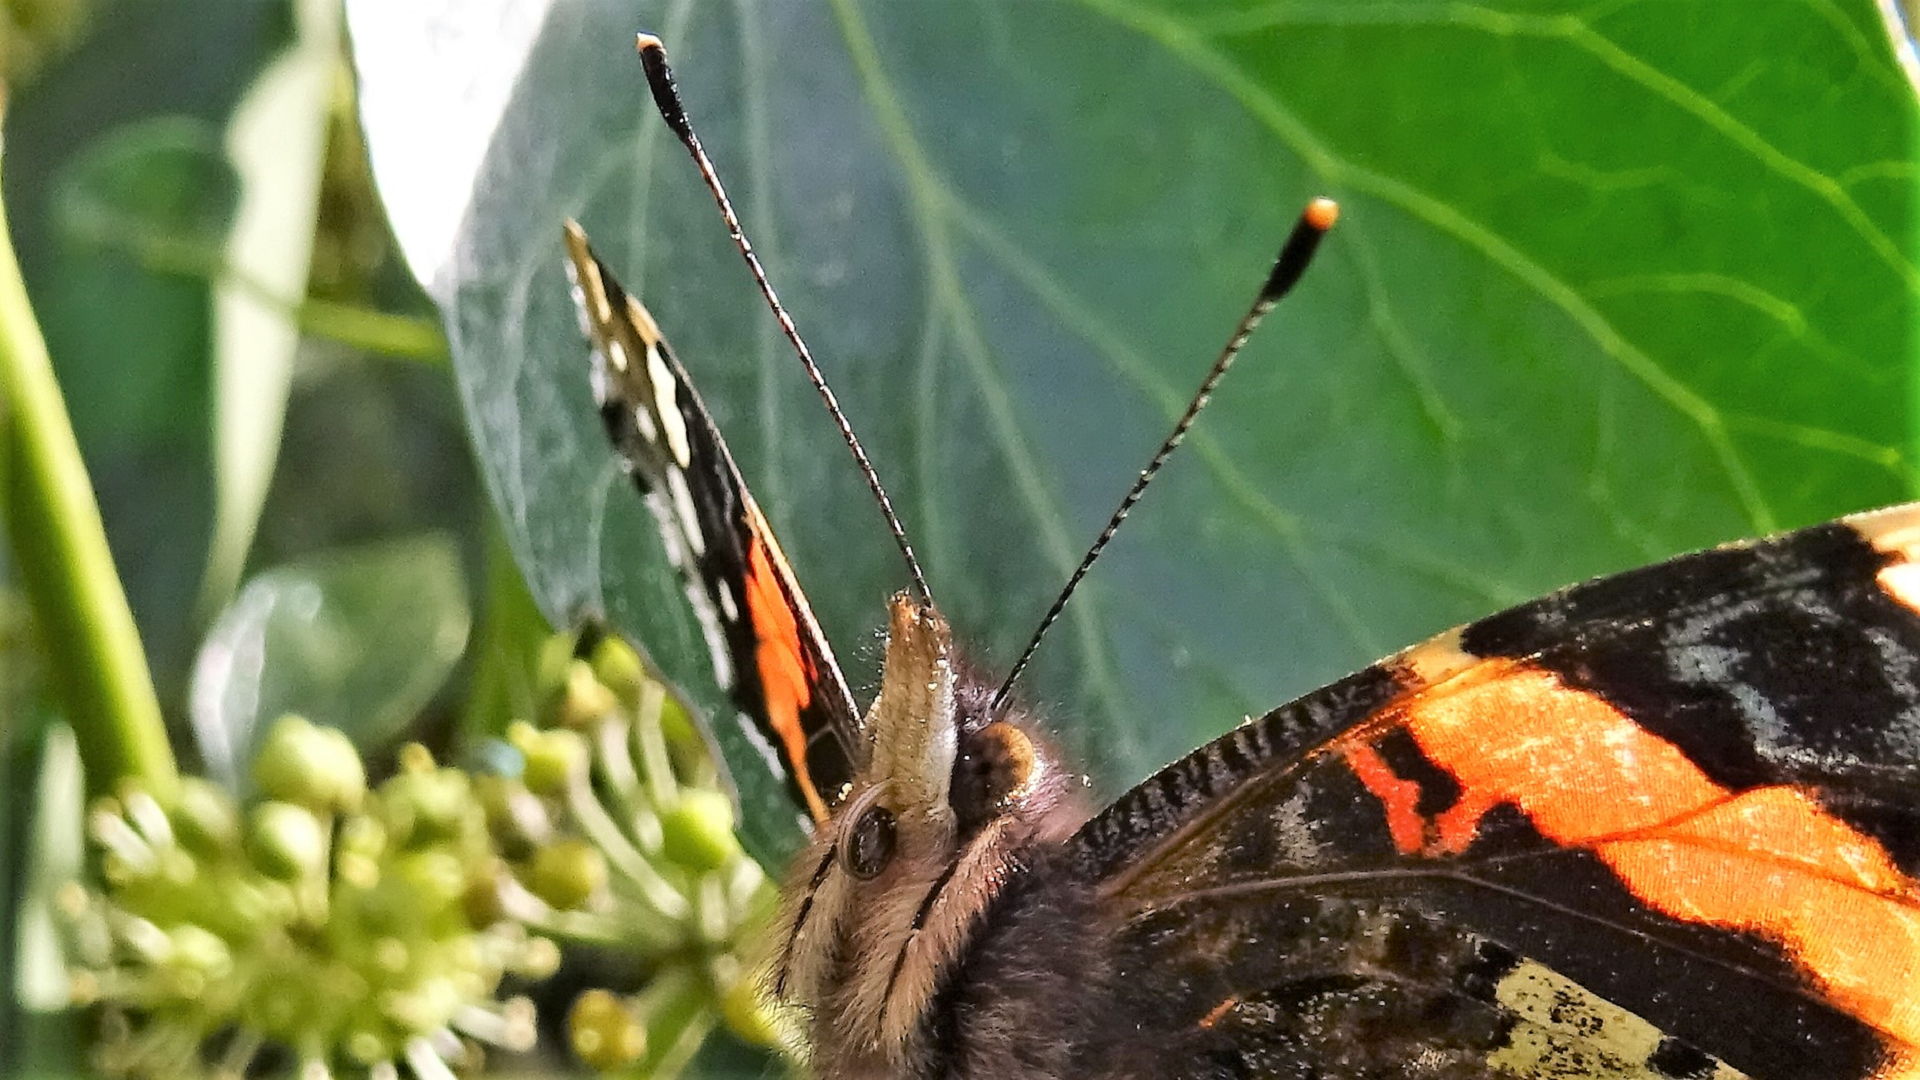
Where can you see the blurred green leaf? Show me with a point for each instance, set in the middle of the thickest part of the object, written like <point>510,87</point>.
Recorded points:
<point>40,977</point>
<point>41,837</point>
<point>1898,15</point>
<point>507,649</point>
<point>145,209</point>
<point>358,640</point>
<point>34,33</point>
<point>161,189</point>
<point>127,322</point>
<point>1612,282</point>
<point>121,193</point>
<point>276,140</point>
<point>21,676</point>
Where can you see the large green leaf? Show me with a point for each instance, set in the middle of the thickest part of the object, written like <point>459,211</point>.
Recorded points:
<point>1613,281</point>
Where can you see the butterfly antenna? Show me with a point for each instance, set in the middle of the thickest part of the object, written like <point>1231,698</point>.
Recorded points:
<point>666,98</point>
<point>1295,254</point>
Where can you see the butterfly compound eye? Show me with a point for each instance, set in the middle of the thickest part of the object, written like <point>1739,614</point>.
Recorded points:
<point>869,847</point>
<point>994,768</point>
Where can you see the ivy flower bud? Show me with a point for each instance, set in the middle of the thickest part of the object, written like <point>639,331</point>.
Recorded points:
<point>427,807</point>
<point>697,832</point>
<point>617,666</point>
<point>314,766</point>
<point>552,758</point>
<point>605,1033</point>
<point>204,819</point>
<point>286,842</point>
<point>567,874</point>
<point>584,700</point>
<point>516,819</point>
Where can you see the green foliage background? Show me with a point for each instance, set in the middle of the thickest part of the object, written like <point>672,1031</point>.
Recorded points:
<point>164,170</point>
<point>1614,280</point>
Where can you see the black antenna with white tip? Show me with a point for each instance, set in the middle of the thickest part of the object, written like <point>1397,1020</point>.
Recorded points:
<point>1295,254</point>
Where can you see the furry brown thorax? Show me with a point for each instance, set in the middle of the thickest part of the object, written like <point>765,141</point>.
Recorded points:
<point>897,919</point>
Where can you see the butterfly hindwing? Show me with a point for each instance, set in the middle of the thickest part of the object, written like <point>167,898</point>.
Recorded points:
<point>1679,805</point>
<point>769,653</point>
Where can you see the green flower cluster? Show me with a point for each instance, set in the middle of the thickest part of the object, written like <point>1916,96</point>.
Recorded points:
<point>346,928</point>
<point>335,929</point>
<point>618,765</point>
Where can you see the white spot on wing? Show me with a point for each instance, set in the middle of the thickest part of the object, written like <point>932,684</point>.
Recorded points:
<point>764,748</point>
<point>602,379</point>
<point>1895,529</point>
<point>580,305</point>
<point>1293,830</point>
<point>1566,1031</point>
<point>675,540</point>
<point>683,509</point>
<point>665,393</point>
<point>710,629</point>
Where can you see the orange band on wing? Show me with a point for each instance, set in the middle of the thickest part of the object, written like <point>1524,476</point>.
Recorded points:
<point>783,675</point>
<point>1766,861</point>
<point>1398,798</point>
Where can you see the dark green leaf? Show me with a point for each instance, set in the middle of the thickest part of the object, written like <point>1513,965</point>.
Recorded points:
<point>1612,282</point>
<point>160,189</point>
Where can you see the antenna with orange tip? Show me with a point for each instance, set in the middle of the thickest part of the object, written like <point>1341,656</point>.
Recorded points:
<point>1295,254</point>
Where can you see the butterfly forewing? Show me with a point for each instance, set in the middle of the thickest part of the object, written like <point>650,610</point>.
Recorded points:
<point>768,651</point>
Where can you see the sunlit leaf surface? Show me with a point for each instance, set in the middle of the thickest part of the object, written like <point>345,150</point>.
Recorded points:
<point>1613,281</point>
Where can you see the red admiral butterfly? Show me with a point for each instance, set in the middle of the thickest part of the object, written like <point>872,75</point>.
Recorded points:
<point>1662,824</point>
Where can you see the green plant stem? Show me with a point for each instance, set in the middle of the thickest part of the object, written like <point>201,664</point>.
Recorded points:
<point>80,610</point>
<point>383,333</point>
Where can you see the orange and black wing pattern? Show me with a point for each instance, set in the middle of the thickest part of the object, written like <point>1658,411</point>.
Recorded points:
<point>1662,824</point>
<point>768,651</point>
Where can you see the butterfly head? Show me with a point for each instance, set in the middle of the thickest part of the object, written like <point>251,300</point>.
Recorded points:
<point>940,764</point>
<point>949,805</point>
